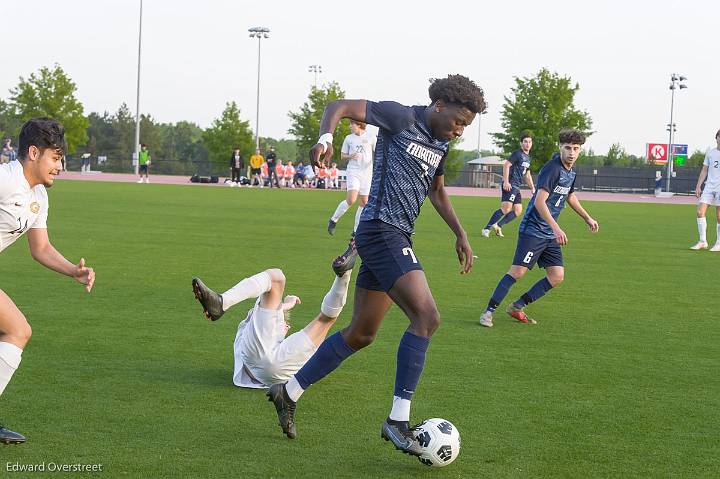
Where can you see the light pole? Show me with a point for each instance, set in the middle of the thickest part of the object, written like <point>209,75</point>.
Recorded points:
<point>479,131</point>
<point>136,156</point>
<point>675,84</point>
<point>316,69</point>
<point>259,33</point>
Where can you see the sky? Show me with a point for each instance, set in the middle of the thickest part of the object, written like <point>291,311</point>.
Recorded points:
<point>196,56</point>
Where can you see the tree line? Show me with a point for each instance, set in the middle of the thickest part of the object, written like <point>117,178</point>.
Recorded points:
<point>540,105</point>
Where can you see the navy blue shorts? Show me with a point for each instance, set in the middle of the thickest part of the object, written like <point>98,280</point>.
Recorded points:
<point>386,253</point>
<point>143,169</point>
<point>531,249</point>
<point>513,196</point>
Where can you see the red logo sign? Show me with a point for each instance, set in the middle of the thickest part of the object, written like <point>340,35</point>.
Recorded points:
<point>657,152</point>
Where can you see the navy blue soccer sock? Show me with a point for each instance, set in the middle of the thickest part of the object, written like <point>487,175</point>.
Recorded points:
<point>333,351</point>
<point>494,218</point>
<point>507,218</point>
<point>501,290</point>
<point>536,292</point>
<point>410,363</point>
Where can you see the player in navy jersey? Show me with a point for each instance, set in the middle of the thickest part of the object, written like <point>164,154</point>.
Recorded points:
<point>516,169</point>
<point>408,167</point>
<point>540,237</point>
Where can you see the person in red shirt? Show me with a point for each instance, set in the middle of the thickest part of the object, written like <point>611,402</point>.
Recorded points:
<point>322,177</point>
<point>289,175</point>
<point>333,173</point>
<point>279,171</point>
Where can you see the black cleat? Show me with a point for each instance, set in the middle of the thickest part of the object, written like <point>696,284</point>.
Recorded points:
<point>398,432</point>
<point>331,226</point>
<point>285,407</point>
<point>209,299</point>
<point>9,437</point>
<point>346,261</point>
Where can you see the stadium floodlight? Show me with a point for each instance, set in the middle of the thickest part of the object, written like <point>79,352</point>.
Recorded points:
<point>675,84</point>
<point>259,33</point>
<point>136,156</point>
<point>316,69</point>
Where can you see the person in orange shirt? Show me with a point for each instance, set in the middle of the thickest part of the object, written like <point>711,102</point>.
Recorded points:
<point>323,175</point>
<point>289,175</point>
<point>263,174</point>
<point>333,173</point>
<point>279,171</point>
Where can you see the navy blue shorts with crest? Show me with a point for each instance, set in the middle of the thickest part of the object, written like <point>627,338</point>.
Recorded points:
<point>512,196</point>
<point>543,251</point>
<point>386,253</point>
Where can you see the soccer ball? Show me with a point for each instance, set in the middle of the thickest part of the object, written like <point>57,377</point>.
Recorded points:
<point>440,441</point>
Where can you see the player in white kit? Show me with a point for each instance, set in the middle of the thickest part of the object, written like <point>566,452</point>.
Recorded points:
<point>358,149</point>
<point>24,209</point>
<point>710,195</point>
<point>263,355</point>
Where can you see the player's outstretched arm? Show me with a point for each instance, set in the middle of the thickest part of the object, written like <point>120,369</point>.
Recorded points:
<point>701,178</point>
<point>506,175</point>
<point>440,200</point>
<point>45,253</point>
<point>334,112</point>
<point>529,181</point>
<point>544,212</point>
<point>574,203</point>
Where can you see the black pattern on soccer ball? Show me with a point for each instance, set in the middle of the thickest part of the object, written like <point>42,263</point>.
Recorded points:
<point>424,439</point>
<point>445,453</point>
<point>445,427</point>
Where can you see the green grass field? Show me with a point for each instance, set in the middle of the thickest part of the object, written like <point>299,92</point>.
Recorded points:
<point>619,379</point>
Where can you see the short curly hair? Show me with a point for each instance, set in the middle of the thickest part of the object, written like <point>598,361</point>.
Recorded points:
<point>571,136</point>
<point>460,90</point>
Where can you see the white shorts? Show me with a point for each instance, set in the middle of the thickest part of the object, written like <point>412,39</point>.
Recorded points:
<point>260,347</point>
<point>710,197</point>
<point>359,181</point>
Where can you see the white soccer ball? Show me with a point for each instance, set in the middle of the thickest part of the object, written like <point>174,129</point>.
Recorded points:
<point>440,441</point>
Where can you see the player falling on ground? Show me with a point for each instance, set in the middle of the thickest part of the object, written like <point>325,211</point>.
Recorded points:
<point>516,169</point>
<point>710,195</point>
<point>540,237</point>
<point>409,166</point>
<point>24,209</point>
<point>357,149</point>
<point>263,355</point>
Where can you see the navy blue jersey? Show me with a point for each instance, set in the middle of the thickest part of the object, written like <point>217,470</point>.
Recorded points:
<point>520,164</point>
<point>407,158</point>
<point>559,183</point>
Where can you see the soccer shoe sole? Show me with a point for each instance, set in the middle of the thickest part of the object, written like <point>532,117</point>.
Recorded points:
<point>520,315</point>
<point>275,396</point>
<point>387,433</point>
<point>341,264</point>
<point>9,437</point>
<point>199,289</point>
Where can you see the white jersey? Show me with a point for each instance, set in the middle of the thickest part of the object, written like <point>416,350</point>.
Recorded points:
<point>21,207</point>
<point>364,146</point>
<point>712,161</point>
<point>263,355</point>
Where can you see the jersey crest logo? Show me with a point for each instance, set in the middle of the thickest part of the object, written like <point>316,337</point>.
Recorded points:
<point>34,207</point>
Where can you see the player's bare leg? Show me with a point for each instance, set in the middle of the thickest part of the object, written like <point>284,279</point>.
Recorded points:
<point>702,227</point>
<point>15,333</point>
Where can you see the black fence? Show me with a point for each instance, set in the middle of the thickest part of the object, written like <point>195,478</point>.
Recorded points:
<point>157,166</point>
<point>611,179</point>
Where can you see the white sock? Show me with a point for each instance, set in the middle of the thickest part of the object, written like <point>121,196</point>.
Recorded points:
<point>702,229</point>
<point>341,209</point>
<point>400,409</point>
<point>357,217</point>
<point>293,389</point>
<point>251,287</point>
<point>334,300</point>
<point>10,356</point>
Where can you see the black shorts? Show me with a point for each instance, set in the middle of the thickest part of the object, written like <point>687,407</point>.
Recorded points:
<point>512,196</point>
<point>386,253</point>
<point>255,171</point>
<point>531,249</point>
<point>143,169</point>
